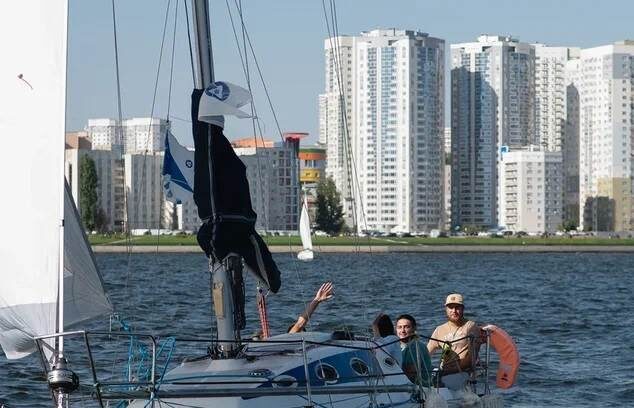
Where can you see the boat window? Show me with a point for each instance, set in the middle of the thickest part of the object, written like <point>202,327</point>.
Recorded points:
<point>327,373</point>
<point>284,381</point>
<point>359,366</point>
<point>389,361</point>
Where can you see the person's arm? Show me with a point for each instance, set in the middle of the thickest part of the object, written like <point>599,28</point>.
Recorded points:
<point>432,344</point>
<point>323,293</point>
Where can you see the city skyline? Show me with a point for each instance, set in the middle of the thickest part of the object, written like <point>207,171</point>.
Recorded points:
<point>288,39</point>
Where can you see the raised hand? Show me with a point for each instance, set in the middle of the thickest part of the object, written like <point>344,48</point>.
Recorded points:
<point>325,292</point>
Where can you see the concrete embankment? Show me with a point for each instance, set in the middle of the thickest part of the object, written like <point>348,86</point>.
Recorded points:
<point>383,248</point>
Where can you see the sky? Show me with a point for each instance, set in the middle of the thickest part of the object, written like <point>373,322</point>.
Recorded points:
<point>288,40</point>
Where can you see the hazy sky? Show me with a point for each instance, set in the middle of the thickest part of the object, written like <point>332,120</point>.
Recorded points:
<point>288,37</point>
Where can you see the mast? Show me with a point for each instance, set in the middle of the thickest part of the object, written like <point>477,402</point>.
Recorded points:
<point>204,72</point>
<point>226,284</point>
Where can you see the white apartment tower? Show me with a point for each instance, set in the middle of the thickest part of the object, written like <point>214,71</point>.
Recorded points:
<point>606,147</point>
<point>144,135</point>
<point>492,107</point>
<point>550,94</point>
<point>335,117</point>
<point>104,134</point>
<point>393,81</point>
<point>135,136</point>
<point>531,190</point>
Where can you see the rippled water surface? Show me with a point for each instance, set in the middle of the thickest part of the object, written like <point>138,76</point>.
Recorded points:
<point>571,314</point>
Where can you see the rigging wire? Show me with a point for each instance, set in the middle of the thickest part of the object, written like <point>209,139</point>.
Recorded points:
<point>169,94</point>
<point>191,51</point>
<point>244,59</point>
<point>255,119</point>
<point>261,76</point>
<point>149,132</point>
<point>119,136</point>
<point>351,170</point>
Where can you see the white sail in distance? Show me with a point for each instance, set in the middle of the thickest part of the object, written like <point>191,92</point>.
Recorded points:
<point>32,120</point>
<point>304,233</point>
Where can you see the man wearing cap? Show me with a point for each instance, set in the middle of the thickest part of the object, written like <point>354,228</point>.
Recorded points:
<point>457,338</point>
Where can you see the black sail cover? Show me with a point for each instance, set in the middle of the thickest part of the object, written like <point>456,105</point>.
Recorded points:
<point>224,202</point>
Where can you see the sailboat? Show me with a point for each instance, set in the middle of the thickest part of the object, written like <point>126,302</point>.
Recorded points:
<point>304,233</point>
<point>55,283</point>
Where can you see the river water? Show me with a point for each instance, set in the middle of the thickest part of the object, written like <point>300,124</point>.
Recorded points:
<point>571,314</point>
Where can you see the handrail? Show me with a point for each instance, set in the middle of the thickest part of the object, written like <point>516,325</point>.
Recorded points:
<point>261,392</point>
<point>104,391</point>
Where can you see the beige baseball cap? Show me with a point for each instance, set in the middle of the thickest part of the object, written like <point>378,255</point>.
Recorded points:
<point>455,299</point>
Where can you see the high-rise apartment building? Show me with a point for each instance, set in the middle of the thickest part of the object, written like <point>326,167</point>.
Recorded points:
<point>570,144</point>
<point>146,205</point>
<point>273,174</point>
<point>104,134</point>
<point>392,155</point>
<point>492,108</point>
<point>106,165</point>
<point>550,94</point>
<point>134,136</point>
<point>144,135</point>
<point>336,121</point>
<point>531,190</point>
<point>606,147</point>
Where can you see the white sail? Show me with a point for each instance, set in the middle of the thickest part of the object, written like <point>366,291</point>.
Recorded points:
<point>84,294</point>
<point>32,122</point>
<point>304,233</point>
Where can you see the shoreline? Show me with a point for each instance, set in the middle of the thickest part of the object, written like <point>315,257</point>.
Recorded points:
<point>381,249</point>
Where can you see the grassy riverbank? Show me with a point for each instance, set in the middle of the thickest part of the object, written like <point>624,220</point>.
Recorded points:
<point>187,240</point>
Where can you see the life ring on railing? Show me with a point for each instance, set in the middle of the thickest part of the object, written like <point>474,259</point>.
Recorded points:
<point>504,345</point>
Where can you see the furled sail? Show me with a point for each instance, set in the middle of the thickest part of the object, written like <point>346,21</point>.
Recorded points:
<point>32,120</point>
<point>178,171</point>
<point>221,192</point>
<point>304,234</point>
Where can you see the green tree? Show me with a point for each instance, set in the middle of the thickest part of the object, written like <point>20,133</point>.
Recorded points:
<point>569,225</point>
<point>329,214</point>
<point>101,221</point>
<point>88,192</point>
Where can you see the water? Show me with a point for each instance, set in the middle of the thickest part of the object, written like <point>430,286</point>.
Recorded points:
<point>570,313</point>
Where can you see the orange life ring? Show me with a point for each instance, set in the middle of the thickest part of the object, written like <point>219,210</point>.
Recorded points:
<point>509,356</point>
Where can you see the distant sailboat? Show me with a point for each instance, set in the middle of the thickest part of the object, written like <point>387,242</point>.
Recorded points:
<point>304,232</point>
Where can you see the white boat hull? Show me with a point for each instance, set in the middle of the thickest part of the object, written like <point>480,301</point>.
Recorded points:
<point>274,375</point>
<point>306,255</point>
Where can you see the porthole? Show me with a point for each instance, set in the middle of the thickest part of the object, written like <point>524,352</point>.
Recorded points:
<point>284,381</point>
<point>389,361</point>
<point>359,366</point>
<point>326,373</point>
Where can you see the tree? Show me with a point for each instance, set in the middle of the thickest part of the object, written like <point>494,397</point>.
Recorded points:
<point>329,214</point>
<point>569,225</point>
<point>102,221</point>
<point>88,192</point>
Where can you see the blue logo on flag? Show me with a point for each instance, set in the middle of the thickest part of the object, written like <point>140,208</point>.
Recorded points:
<point>218,90</point>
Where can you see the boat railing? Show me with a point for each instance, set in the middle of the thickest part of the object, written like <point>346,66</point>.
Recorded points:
<point>96,359</point>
